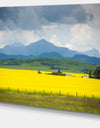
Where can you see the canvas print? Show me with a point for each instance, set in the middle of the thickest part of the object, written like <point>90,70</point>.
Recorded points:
<point>50,56</point>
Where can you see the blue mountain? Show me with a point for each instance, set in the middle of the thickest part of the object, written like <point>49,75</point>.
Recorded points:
<point>93,52</point>
<point>43,48</point>
<point>37,48</point>
<point>85,58</point>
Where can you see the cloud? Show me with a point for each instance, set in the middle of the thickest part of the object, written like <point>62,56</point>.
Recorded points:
<point>26,18</point>
<point>8,18</point>
<point>17,37</point>
<point>65,14</point>
<point>55,41</point>
<point>29,18</point>
<point>94,9</point>
<point>81,33</point>
<point>30,36</point>
<point>82,38</point>
<point>2,44</point>
<point>79,25</point>
<point>49,27</point>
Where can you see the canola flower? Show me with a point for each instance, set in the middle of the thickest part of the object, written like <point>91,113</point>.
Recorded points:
<point>32,81</point>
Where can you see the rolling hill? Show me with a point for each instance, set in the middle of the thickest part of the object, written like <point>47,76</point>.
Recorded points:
<point>47,64</point>
<point>92,60</point>
<point>85,58</point>
<point>4,56</point>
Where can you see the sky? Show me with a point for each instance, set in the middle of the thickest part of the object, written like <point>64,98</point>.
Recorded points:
<point>76,27</point>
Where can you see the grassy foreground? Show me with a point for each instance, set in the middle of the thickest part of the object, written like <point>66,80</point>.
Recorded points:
<point>50,100</point>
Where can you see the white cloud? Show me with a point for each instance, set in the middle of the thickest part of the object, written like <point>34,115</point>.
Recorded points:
<point>17,37</point>
<point>82,38</point>
<point>70,46</point>
<point>55,41</point>
<point>81,33</point>
<point>2,44</point>
<point>94,23</point>
<point>49,27</point>
<point>30,36</point>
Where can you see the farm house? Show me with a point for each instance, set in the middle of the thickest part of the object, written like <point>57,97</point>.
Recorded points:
<point>56,71</point>
<point>85,76</point>
<point>68,75</point>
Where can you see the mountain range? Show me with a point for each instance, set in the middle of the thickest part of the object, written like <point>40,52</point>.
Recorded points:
<point>43,48</point>
<point>36,49</point>
<point>93,52</point>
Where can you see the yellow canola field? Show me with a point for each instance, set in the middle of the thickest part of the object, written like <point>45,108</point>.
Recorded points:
<point>31,80</point>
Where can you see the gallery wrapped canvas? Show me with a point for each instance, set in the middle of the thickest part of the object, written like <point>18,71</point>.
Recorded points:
<point>50,56</point>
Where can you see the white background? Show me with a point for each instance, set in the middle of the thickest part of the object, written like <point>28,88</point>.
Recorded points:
<point>44,2</point>
<point>20,116</point>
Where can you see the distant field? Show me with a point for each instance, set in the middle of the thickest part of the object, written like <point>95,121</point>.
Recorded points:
<point>47,64</point>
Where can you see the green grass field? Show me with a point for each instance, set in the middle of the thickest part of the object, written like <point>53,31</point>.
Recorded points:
<point>56,101</point>
<point>47,64</point>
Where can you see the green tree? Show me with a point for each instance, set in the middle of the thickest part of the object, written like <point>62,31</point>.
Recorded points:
<point>90,73</point>
<point>39,72</point>
<point>96,72</point>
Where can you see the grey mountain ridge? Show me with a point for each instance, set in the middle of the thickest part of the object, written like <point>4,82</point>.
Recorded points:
<point>42,46</point>
<point>93,52</point>
<point>37,48</point>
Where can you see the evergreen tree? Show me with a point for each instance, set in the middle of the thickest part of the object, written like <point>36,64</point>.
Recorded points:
<point>90,73</point>
<point>96,72</point>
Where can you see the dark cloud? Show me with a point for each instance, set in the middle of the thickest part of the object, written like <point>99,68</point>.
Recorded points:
<point>21,17</point>
<point>8,17</point>
<point>30,17</point>
<point>61,12</point>
<point>35,17</point>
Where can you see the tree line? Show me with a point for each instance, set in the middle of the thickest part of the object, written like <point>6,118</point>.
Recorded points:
<point>95,73</point>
